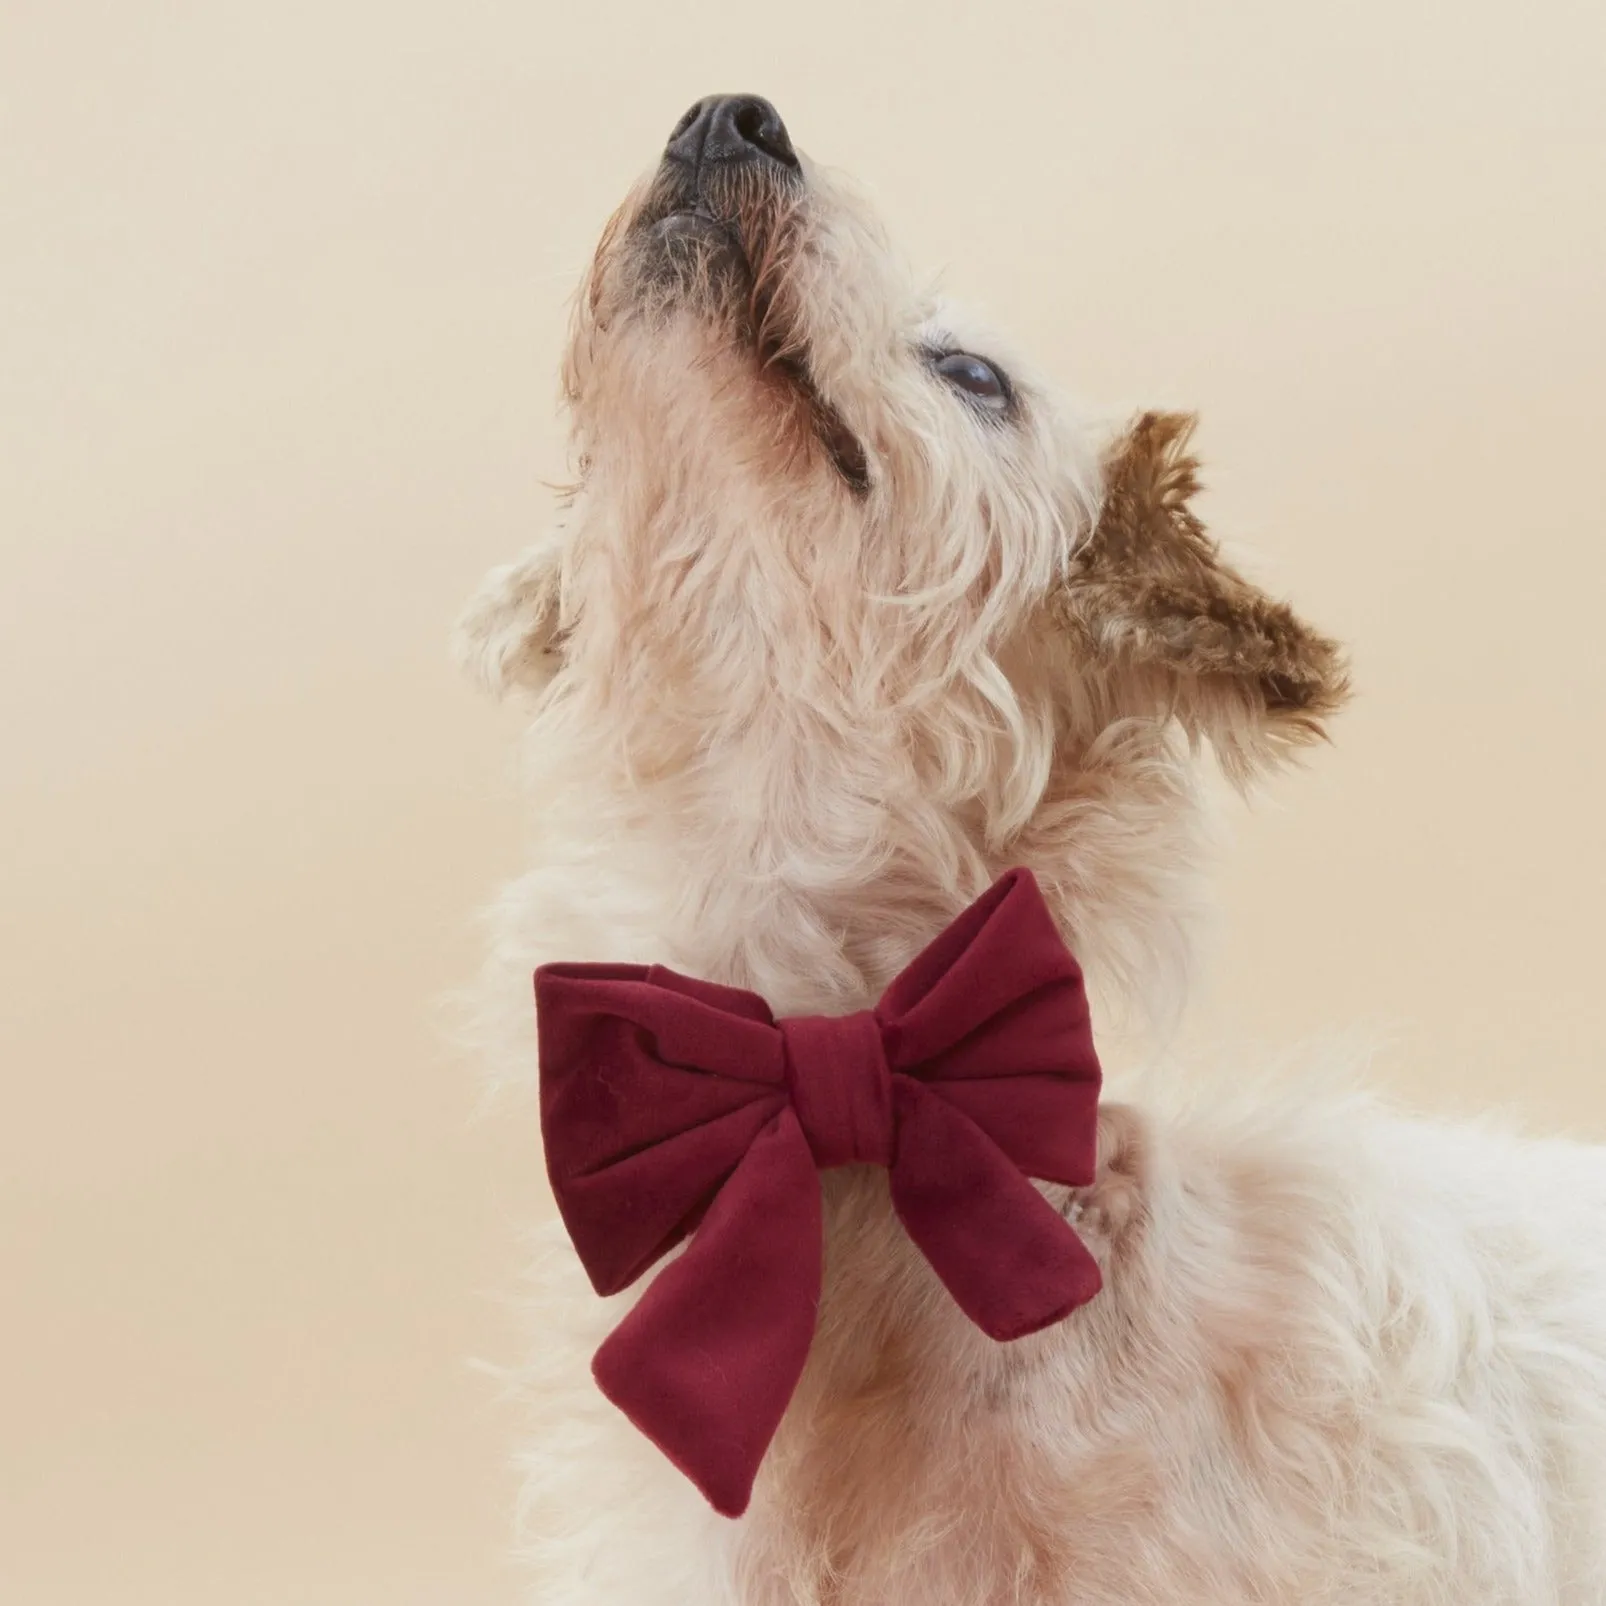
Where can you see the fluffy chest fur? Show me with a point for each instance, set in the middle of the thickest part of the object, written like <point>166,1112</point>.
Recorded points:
<point>1340,1357</point>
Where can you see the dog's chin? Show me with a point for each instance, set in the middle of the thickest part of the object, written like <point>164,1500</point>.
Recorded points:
<point>693,257</point>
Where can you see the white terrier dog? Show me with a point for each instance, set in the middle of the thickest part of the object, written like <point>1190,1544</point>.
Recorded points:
<point>850,615</point>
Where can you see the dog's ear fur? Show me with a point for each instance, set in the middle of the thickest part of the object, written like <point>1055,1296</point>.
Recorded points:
<point>1163,626</point>
<point>510,637</point>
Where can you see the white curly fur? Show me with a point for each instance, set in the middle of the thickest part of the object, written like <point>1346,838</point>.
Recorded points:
<point>782,732</point>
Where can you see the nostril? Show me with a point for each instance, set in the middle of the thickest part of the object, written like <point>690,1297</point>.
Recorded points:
<point>750,123</point>
<point>759,124</point>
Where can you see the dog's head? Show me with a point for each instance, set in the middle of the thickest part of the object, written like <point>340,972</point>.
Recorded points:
<point>843,557</point>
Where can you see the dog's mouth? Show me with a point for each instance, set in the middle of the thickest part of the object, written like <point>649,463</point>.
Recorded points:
<point>727,245</point>
<point>841,445</point>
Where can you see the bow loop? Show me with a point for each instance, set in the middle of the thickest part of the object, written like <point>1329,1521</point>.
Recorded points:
<point>672,1108</point>
<point>996,994</point>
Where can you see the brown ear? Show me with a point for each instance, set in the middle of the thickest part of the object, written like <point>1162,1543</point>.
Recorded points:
<point>511,634</point>
<point>1164,626</point>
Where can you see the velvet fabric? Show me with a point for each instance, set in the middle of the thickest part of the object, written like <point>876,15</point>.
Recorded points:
<point>674,1109</point>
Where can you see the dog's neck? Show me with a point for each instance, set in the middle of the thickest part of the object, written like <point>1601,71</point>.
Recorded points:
<point>813,876</point>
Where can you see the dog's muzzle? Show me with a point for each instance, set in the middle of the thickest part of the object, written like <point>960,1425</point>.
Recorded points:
<point>721,201</point>
<point>724,147</point>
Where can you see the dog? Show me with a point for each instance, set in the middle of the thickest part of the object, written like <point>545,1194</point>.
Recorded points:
<point>850,613</point>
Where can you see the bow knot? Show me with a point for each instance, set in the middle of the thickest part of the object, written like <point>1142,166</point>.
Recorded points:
<point>675,1108</point>
<point>841,1087</point>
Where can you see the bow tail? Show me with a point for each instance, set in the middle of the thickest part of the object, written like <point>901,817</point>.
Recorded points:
<point>706,1362</point>
<point>1013,1264</point>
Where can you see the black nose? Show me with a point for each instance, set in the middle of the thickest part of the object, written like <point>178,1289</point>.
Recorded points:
<point>731,128</point>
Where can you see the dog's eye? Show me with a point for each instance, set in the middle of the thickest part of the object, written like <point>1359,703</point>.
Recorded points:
<point>979,380</point>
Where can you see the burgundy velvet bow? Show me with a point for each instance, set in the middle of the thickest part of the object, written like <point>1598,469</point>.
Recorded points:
<point>671,1106</point>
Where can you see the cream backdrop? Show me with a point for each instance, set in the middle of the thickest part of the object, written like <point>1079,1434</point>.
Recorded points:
<point>281,294</point>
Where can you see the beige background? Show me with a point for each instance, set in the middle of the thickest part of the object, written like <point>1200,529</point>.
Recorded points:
<point>281,290</point>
